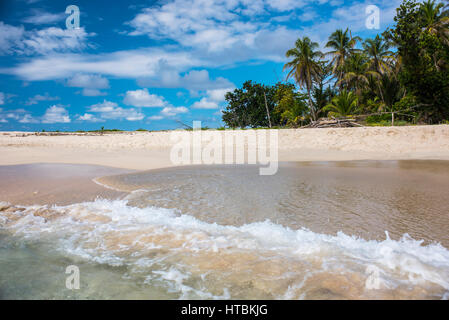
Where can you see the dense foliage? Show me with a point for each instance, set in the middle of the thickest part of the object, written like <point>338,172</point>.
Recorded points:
<point>404,71</point>
<point>421,36</point>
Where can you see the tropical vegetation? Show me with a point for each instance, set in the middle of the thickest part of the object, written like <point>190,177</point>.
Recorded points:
<point>403,72</point>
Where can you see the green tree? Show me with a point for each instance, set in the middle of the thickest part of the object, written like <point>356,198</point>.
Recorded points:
<point>380,57</point>
<point>246,106</point>
<point>305,67</point>
<point>391,90</point>
<point>322,92</point>
<point>343,105</point>
<point>356,73</point>
<point>291,107</point>
<point>435,19</point>
<point>343,45</point>
<point>423,73</point>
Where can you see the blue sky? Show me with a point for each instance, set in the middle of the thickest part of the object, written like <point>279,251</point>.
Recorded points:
<point>151,63</point>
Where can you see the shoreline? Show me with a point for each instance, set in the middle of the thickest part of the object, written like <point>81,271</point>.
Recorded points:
<point>55,184</point>
<point>49,186</point>
<point>151,150</point>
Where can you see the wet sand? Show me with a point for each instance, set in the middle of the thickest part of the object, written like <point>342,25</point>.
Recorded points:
<point>60,184</point>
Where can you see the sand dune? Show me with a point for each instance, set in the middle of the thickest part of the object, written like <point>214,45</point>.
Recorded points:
<point>148,150</point>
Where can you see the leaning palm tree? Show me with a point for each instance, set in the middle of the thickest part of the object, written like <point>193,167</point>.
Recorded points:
<point>380,57</point>
<point>305,67</point>
<point>343,105</point>
<point>342,44</point>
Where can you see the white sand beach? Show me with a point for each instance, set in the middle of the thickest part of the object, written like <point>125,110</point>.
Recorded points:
<point>151,150</point>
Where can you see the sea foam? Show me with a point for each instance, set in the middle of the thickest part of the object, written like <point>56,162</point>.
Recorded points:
<point>208,260</point>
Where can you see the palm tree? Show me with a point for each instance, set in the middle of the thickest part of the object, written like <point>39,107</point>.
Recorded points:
<point>380,57</point>
<point>322,93</point>
<point>322,96</point>
<point>391,90</point>
<point>356,73</point>
<point>381,60</point>
<point>343,45</point>
<point>436,19</point>
<point>305,66</point>
<point>343,105</point>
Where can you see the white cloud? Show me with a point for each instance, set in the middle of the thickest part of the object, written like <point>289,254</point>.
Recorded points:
<point>2,98</point>
<point>53,114</point>
<point>90,118</point>
<point>13,115</point>
<point>28,119</point>
<point>11,36</point>
<point>194,80</point>
<point>56,114</point>
<point>308,15</point>
<point>2,117</point>
<point>105,106</point>
<point>218,95</point>
<point>17,40</point>
<point>206,24</point>
<point>173,111</point>
<point>211,25</point>
<point>286,5</point>
<point>17,115</point>
<point>169,111</point>
<point>54,39</point>
<point>211,28</point>
<point>212,99</point>
<point>225,32</point>
<point>156,118</point>
<point>92,92</point>
<point>37,98</point>
<point>90,84</point>
<point>122,64</point>
<point>39,16</point>
<point>88,81</point>
<point>142,98</point>
<point>205,103</point>
<point>110,111</point>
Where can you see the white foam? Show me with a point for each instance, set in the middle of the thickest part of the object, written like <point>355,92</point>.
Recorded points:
<point>95,180</point>
<point>404,261</point>
<point>177,280</point>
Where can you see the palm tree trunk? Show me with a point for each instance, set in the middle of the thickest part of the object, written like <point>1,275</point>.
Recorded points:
<point>380,92</point>
<point>268,111</point>
<point>312,109</point>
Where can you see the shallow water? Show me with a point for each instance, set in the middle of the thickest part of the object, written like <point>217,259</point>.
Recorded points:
<point>313,231</point>
<point>362,198</point>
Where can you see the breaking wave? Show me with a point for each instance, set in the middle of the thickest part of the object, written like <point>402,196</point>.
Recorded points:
<point>159,247</point>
